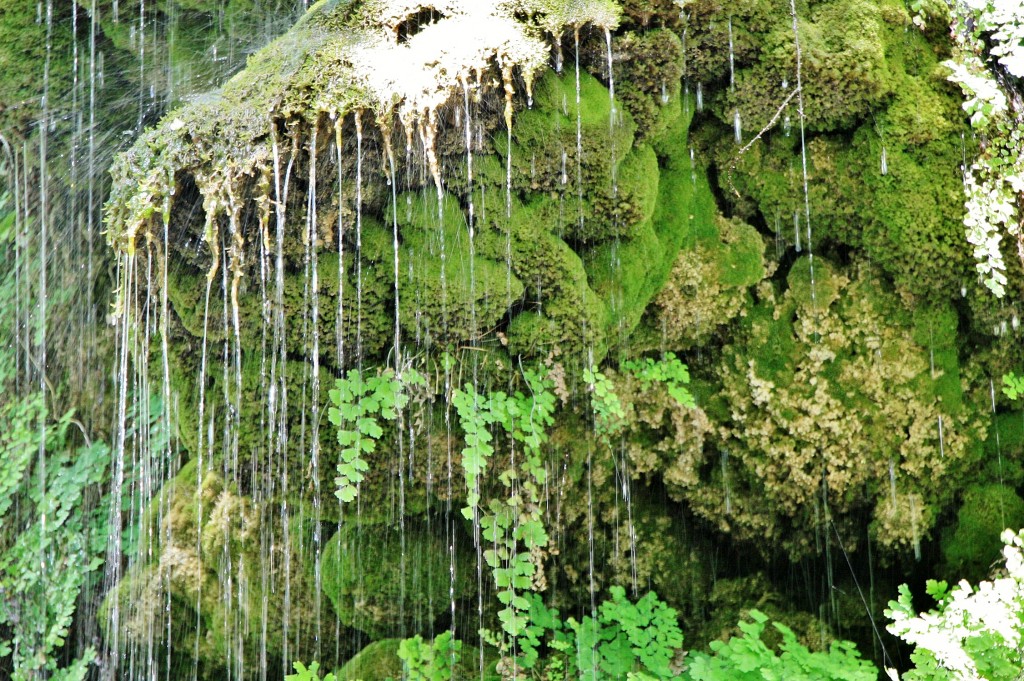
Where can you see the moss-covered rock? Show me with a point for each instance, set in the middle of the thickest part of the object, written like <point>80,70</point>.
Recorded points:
<point>972,546</point>
<point>379,661</point>
<point>835,400</point>
<point>413,578</point>
<point>731,600</point>
<point>206,579</point>
<point>845,74</point>
<point>34,55</point>
<point>450,293</point>
<point>709,286</point>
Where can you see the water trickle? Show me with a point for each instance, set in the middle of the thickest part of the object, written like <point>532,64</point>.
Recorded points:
<point>612,118</point>
<point>725,482</point>
<point>999,448</point>
<point>737,127</point>
<point>942,439</point>
<point>314,316</point>
<point>732,60</point>
<point>803,148</point>
<point>885,162</point>
<point>892,482</point>
<point>359,238</point>
<point>915,532</point>
<point>579,135</point>
<point>796,232</point>
<point>700,97</point>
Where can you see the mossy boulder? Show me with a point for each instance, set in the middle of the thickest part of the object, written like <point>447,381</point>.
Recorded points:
<point>413,577</point>
<point>709,286</point>
<point>204,576</point>
<point>971,547</point>
<point>32,57</point>
<point>801,365</point>
<point>379,661</point>
<point>845,74</point>
<point>449,293</point>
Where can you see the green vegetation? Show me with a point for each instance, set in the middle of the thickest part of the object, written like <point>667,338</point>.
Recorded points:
<point>634,339</point>
<point>312,673</point>
<point>434,661</point>
<point>1013,385</point>
<point>359,402</point>
<point>971,546</point>
<point>410,585</point>
<point>512,526</point>
<point>975,630</point>
<point>52,538</point>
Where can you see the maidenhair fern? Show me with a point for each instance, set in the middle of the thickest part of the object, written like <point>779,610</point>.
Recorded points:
<point>311,673</point>
<point>609,415</point>
<point>433,661</point>
<point>359,403</point>
<point>511,525</point>
<point>670,372</point>
<point>1013,385</point>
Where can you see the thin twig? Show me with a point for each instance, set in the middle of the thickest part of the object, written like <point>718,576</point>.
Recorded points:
<point>758,136</point>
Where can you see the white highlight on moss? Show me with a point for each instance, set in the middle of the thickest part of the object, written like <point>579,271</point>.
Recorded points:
<point>412,76</point>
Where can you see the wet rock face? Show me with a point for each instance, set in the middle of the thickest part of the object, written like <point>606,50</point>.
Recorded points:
<point>298,211</point>
<point>290,220</point>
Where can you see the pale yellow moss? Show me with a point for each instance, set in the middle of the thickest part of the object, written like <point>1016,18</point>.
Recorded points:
<point>825,414</point>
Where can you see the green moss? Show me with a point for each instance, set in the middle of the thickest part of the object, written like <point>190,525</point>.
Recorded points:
<point>813,284</point>
<point>845,73</point>
<point>972,546</point>
<point>628,274</point>
<point>449,293</point>
<point>648,81</point>
<point>790,383</point>
<point>379,661</point>
<point>561,309</point>
<point>935,328</point>
<point>741,255</point>
<point>708,31</point>
<point>205,566</point>
<point>24,59</point>
<point>868,75</point>
<point>548,156</point>
<point>408,587</point>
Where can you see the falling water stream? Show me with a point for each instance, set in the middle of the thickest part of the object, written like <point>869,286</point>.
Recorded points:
<point>218,378</point>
